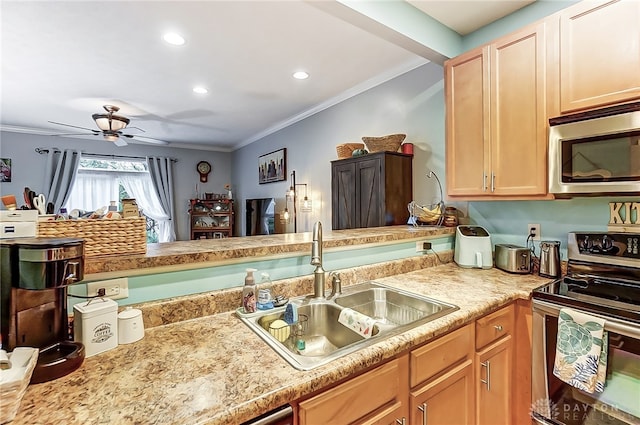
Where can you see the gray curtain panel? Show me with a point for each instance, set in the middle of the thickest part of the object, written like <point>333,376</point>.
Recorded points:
<point>60,174</point>
<point>161,171</point>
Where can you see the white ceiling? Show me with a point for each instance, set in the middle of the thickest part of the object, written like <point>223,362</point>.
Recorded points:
<point>61,61</point>
<point>466,16</point>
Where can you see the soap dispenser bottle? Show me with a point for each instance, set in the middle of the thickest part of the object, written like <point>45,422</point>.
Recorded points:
<point>249,292</point>
<point>264,293</point>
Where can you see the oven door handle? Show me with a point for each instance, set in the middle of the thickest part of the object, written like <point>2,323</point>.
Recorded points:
<point>610,324</point>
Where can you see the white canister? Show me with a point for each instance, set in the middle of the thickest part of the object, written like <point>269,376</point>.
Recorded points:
<point>95,325</point>
<point>130,326</point>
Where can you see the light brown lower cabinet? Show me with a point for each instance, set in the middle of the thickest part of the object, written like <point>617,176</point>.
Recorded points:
<point>445,400</point>
<point>493,383</point>
<point>465,377</point>
<point>378,396</point>
<point>494,367</point>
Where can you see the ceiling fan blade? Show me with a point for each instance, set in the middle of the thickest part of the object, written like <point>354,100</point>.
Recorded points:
<point>190,114</point>
<point>75,126</point>
<point>131,127</point>
<point>120,142</point>
<point>145,139</point>
<point>75,134</point>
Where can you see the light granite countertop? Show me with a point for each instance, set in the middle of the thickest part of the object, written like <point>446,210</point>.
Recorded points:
<point>183,255</point>
<point>214,370</point>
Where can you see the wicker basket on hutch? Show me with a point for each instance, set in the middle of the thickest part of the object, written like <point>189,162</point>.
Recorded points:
<point>389,143</point>
<point>101,236</point>
<point>346,149</point>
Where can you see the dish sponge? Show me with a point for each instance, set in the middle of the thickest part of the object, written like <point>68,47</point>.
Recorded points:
<point>291,314</point>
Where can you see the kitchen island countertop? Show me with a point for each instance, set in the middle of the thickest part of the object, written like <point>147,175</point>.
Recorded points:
<point>183,255</point>
<point>214,370</point>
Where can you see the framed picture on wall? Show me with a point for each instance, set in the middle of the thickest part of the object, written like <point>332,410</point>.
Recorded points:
<point>5,169</point>
<point>272,167</point>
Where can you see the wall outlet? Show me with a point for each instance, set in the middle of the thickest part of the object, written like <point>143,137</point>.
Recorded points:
<point>114,288</point>
<point>423,246</point>
<point>534,229</point>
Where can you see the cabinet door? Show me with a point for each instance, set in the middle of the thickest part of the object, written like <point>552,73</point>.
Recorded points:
<point>343,202</point>
<point>369,193</point>
<point>468,132</point>
<point>522,352</point>
<point>368,398</point>
<point>599,54</point>
<point>493,383</point>
<point>447,400</point>
<point>518,114</point>
<point>397,189</point>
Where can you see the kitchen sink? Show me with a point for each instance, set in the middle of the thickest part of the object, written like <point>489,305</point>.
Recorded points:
<point>318,328</point>
<point>319,337</point>
<point>392,308</point>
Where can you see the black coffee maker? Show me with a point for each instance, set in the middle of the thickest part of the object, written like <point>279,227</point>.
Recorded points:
<point>34,275</point>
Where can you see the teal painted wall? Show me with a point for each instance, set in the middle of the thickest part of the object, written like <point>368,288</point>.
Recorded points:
<point>507,221</point>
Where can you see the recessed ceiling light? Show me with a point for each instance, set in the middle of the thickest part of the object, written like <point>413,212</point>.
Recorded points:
<point>300,75</point>
<point>200,90</point>
<point>173,38</point>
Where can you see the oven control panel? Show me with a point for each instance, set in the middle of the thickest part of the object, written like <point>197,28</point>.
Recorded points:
<point>607,244</point>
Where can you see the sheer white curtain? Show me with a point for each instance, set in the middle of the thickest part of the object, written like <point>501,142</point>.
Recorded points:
<point>93,190</point>
<point>140,187</point>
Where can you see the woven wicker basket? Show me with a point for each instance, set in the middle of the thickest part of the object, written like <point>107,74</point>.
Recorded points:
<point>384,143</point>
<point>102,237</point>
<point>346,149</point>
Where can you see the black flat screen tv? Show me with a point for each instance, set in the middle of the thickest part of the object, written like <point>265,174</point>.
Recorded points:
<point>260,216</point>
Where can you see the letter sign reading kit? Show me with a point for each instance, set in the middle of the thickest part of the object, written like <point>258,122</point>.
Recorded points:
<point>204,168</point>
<point>624,216</point>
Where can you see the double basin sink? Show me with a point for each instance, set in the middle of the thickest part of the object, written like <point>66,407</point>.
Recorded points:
<point>319,337</point>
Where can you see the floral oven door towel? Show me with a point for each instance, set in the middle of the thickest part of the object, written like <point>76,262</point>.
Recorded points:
<point>581,351</point>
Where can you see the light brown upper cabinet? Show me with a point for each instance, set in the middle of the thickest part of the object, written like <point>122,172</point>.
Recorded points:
<point>496,100</point>
<point>599,54</point>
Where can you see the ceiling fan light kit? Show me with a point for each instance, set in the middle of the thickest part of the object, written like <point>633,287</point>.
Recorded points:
<point>110,121</point>
<point>111,137</point>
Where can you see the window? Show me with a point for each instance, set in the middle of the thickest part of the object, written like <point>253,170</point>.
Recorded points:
<point>101,181</point>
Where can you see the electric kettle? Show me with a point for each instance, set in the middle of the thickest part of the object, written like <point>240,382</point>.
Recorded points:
<point>550,259</point>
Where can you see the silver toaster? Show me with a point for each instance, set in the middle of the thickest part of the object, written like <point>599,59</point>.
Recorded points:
<point>513,258</point>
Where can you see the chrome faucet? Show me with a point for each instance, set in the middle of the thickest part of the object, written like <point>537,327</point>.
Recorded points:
<point>336,284</point>
<point>316,260</point>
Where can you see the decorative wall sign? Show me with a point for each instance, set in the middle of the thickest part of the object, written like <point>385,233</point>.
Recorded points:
<point>272,167</point>
<point>5,169</point>
<point>624,216</point>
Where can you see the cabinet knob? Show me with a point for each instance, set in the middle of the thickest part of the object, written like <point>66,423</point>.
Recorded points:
<point>498,328</point>
<point>402,421</point>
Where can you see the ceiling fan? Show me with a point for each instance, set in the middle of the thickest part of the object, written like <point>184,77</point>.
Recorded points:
<point>110,128</point>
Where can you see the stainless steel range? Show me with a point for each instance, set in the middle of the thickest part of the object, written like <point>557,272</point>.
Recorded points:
<point>603,282</point>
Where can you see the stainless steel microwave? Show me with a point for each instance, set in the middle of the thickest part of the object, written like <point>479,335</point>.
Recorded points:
<point>596,152</point>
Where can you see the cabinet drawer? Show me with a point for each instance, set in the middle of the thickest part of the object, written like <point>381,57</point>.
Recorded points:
<point>494,326</point>
<point>359,397</point>
<point>387,415</point>
<point>439,355</point>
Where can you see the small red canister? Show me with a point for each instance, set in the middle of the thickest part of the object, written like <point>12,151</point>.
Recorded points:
<point>407,148</point>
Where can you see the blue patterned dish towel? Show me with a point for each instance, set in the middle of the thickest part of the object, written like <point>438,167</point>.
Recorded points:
<point>581,351</point>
